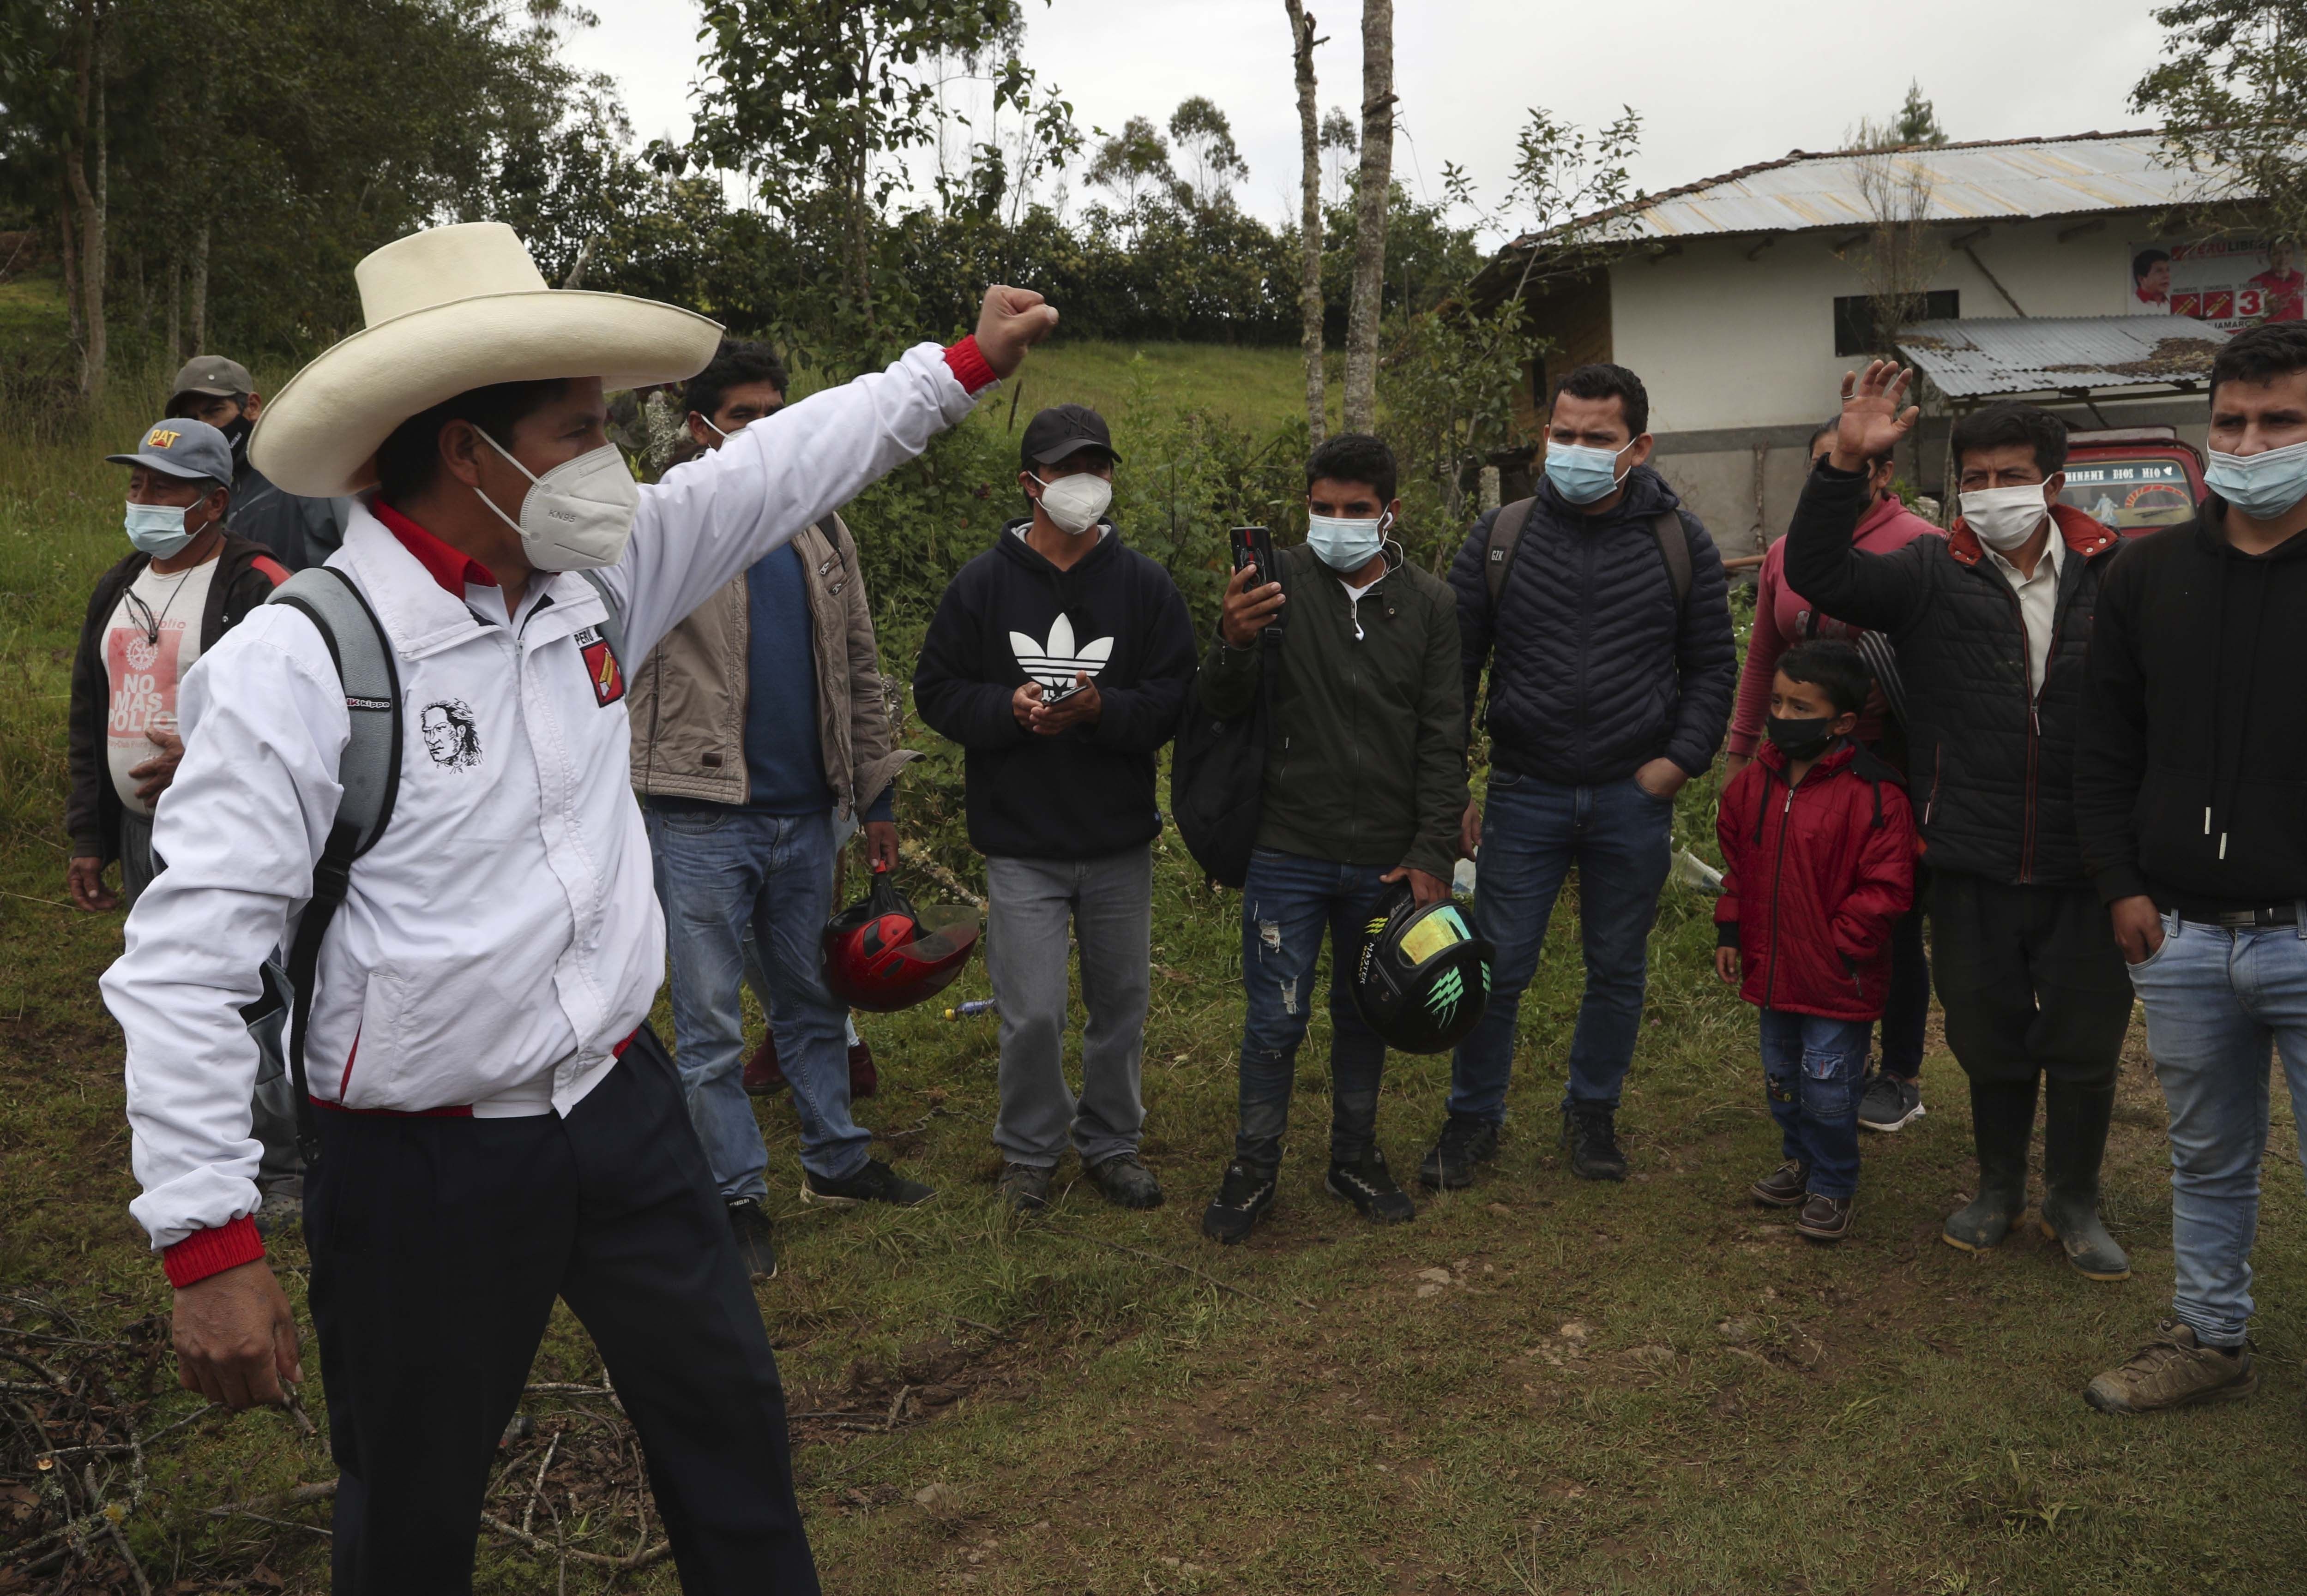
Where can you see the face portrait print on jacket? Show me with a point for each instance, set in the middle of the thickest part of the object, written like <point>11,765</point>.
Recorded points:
<point>451,736</point>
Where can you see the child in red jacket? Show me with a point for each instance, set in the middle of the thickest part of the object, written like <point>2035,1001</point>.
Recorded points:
<point>1818,845</point>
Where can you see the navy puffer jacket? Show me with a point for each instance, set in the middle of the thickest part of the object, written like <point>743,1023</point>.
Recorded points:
<point>1593,674</point>
<point>1989,762</point>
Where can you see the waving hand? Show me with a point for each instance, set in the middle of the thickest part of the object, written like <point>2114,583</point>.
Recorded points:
<point>1873,422</point>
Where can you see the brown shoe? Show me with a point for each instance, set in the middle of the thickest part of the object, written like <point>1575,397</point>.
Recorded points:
<point>1783,1187</point>
<point>2172,1371</point>
<point>762,1075</point>
<point>1825,1218</point>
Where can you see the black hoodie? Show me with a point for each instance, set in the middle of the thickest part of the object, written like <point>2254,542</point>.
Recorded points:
<point>2191,769</point>
<point>1114,613</point>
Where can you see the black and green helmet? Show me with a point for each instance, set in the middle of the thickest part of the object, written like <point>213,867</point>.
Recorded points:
<point>1421,976</point>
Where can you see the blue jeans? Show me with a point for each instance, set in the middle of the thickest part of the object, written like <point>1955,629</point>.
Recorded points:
<point>1534,830</point>
<point>1812,1068</point>
<point>2218,1002</point>
<point>1286,902</point>
<point>718,870</point>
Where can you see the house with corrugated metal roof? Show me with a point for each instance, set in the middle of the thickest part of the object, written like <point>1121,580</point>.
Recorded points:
<point>2089,273</point>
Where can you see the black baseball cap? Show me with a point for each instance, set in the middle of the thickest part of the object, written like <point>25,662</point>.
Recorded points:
<point>1061,430</point>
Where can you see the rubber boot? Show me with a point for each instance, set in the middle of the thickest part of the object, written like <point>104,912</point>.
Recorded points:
<point>2002,1124</point>
<point>2075,1118</point>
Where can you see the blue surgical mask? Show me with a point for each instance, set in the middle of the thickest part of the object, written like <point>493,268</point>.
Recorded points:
<point>158,529</point>
<point>1344,545</point>
<point>2264,485</point>
<point>1582,474</point>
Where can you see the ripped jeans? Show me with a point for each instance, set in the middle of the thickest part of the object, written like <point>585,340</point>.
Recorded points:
<point>1287,903</point>
<point>1812,1067</point>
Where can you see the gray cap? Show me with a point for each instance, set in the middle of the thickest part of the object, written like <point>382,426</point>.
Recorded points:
<point>181,447</point>
<point>215,375</point>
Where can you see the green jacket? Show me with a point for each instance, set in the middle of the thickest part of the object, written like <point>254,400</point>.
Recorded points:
<point>1367,764</point>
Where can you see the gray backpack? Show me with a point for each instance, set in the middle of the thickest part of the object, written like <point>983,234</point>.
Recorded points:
<point>369,772</point>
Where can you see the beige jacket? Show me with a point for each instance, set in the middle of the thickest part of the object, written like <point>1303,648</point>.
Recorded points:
<point>689,696</point>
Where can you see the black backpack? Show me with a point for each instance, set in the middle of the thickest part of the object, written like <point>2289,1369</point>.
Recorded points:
<point>1217,774</point>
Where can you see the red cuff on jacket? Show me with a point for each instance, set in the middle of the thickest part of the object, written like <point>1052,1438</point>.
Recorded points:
<point>207,1253</point>
<point>968,366</point>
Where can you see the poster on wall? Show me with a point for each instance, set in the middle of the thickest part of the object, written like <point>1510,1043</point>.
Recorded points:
<point>2231,283</point>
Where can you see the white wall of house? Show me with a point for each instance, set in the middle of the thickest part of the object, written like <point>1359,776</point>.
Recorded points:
<point>1738,354</point>
<point>1722,341</point>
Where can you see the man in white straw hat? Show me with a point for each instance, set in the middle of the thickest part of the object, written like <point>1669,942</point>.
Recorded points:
<point>495,1126</point>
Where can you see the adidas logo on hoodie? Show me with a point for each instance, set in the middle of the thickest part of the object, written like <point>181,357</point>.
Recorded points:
<point>1054,664</point>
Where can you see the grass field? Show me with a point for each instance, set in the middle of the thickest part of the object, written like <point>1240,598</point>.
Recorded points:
<point>1541,1387</point>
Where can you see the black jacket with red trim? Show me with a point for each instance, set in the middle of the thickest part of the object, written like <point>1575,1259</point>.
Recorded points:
<point>1815,876</point>
<point>245,577</point>
<point>1991,762</point>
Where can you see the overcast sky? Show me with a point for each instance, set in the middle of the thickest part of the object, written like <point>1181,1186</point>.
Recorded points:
<point>1721,83</point>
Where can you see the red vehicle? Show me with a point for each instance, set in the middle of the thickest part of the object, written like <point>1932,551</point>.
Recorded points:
<point>2133,479</point>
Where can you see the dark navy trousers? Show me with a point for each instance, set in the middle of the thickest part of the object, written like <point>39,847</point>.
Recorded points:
<point>438,1247</point>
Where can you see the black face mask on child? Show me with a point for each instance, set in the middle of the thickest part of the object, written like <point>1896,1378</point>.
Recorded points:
<point>1804,739</point>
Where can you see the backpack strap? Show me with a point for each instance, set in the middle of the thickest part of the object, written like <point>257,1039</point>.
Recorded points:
<point>1505,537</point>
<point>1674,547</point>
<point>369,772</point>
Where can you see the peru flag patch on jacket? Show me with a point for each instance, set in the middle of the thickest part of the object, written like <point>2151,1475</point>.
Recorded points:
<point>601,665</point>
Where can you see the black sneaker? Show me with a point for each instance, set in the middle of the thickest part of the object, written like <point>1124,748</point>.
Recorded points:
<point>1243,1201</point>
<point>1025,1186</point>
<point>750,1225</point>
<point>1369,1184</point>
<point>1888,1103</point>
<point>1589,1134</point>
<point>1126,1182</point>
<point>1467,1140</point>
<point>876,1182</point>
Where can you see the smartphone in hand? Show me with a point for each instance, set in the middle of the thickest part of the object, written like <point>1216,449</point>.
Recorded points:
<point>1253,546</point>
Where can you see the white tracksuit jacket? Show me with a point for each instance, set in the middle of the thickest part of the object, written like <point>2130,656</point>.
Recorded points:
<point>504,934</point>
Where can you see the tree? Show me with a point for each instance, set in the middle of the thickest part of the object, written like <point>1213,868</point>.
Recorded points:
<point>1919,120</point>
<point>1131,160</point>
<point>87,174</point>
<point>2232,90</point>
<point>1452,364</point>
<point>1200,130</point>
<point>1370,206</point>
<point>1915,123</point>
<point>1310,223</point>
<point>1342,139</point>
<point>1902,253</point>
<point>818,104</point>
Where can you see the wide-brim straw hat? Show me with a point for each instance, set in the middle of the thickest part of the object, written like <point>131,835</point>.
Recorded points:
<point>450,310</point>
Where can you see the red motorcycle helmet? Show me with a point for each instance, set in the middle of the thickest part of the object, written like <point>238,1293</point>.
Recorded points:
<point>882,955</point>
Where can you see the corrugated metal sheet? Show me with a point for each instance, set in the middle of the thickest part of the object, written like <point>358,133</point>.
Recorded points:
<point>1982,182</point>
<point>2016,354</point>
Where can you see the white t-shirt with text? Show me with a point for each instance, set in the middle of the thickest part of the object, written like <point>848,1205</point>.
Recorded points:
<point>151,640</point>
